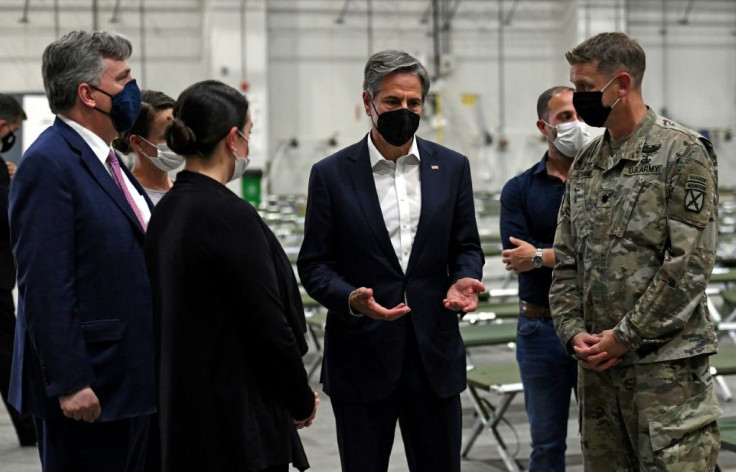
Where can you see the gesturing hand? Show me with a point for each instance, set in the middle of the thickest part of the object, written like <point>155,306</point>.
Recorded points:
<point>11,169</point>
<point>362,301</point>
<point>463,295</point>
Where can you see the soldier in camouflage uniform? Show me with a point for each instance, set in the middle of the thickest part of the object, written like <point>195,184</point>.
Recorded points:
<point>635,246</point>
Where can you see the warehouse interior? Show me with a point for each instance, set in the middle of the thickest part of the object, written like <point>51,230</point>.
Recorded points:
<point>300,64</point>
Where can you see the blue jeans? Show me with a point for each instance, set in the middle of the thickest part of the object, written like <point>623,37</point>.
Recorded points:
<point>548,375</point>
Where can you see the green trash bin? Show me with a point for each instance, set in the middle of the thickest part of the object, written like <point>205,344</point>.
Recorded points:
<point>251,182</point>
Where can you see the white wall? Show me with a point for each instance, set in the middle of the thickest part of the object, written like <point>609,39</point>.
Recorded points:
<point>693,81</point>
<point>316,74</point>
<point>173,45</point>
<point>305,71</point>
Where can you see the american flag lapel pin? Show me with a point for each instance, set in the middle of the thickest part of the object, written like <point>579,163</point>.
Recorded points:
<point>434,167</point>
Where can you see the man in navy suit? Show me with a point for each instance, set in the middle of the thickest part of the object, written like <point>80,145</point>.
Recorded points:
<point>391,249</point>
<point>83,358</point>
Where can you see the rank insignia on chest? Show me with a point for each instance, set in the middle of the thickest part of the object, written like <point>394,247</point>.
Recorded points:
<point>650,148</point>
<point>695,189</point>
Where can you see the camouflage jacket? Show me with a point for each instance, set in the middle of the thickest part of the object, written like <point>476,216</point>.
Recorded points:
<point>636,241</point>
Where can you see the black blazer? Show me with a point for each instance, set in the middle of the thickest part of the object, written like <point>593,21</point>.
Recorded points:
<point>231,375</point>
<point>346,246</point>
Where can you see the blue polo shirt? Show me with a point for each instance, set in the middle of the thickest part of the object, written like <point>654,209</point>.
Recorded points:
<point>529,206</point>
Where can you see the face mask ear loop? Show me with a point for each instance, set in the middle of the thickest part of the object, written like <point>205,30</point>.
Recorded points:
<point>373,104</point>
<point>606,86</point>
<point>609,82</point>
<point>150,144</point>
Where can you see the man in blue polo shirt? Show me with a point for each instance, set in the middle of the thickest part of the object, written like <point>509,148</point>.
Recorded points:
<point>529,206</point>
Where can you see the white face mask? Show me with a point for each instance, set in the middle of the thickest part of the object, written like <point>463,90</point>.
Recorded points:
<point>571,136</point>
<point>241,163</point>
<point>166,159</point>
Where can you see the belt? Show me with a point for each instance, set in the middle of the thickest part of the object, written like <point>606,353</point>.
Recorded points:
<point>534,311</point>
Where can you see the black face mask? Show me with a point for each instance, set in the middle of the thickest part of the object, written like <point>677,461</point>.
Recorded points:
<point>397,126</point>
<point>589,106</point>
<point>7,142</point>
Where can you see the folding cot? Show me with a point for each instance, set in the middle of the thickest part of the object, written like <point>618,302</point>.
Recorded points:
<point>724,363</point>
<point>499,378</point>
<point>316,317</point>
<point>728,435</point>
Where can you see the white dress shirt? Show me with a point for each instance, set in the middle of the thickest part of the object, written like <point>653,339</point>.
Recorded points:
<point>102,150</point>
<point>400,195</point>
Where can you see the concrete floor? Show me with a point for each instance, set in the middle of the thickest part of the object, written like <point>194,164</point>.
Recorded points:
<point>320,442</point>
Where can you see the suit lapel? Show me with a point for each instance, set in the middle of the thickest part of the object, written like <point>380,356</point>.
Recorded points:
<point>98,171</point>
<point>433,185</point>
<point>364,187</point>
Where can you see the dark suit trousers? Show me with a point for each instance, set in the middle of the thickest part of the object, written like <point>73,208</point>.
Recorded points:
<point>66,445</point>
<point>23,424</point>
<point>430,425</point>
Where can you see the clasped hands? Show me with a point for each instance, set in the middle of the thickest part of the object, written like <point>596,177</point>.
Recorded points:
<point>461,296</point>
<point>598,351</point>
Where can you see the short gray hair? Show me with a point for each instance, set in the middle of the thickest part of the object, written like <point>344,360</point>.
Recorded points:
<point>76,58</point>
<point>388,62</point>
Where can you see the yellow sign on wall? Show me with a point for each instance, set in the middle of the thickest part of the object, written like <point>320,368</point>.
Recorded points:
<point>468,99</point>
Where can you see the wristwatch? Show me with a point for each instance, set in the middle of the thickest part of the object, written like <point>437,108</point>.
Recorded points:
<point>537,259</point>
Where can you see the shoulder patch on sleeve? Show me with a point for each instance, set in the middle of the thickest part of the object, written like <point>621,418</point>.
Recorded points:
<point>691,200</point>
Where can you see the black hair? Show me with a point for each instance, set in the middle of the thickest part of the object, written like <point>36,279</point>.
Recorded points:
<point>545,97</point>
<point>10,109</point>
<point>203,115</point>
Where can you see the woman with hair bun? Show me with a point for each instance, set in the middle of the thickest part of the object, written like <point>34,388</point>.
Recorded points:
<point>153,159</point>
<point>229,320</point>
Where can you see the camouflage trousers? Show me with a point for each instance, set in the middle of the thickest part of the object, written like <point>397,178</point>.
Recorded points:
<point>649,417</point>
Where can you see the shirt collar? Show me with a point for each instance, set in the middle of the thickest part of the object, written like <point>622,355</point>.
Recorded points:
<point>376,156</point>
<point>541,166</point>
<point>96,143</point>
